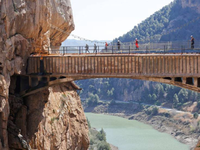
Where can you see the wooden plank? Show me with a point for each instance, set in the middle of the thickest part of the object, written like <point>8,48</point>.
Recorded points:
<point>95,66</point>
<point>198,65</point>
<point>151,66</point>
<point>168,65</point>
<point>147,64</point>
<point>125,65</point>
<point>128,65</point>
<point>195,66</point>
<point>131,65</point>
<point>69,65</point>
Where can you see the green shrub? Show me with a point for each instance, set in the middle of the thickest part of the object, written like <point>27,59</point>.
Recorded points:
<point>154,111</point>
<point>101,135</point>
<point>103,146</point>
<point>195,115</point>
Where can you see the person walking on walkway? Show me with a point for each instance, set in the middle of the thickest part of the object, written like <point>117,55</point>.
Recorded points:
<point>118,45</point>
<point>136,44</point>
<point>95,48</point>
<point>192,42</point>
<point>106,46</point>
<point>86,49</point>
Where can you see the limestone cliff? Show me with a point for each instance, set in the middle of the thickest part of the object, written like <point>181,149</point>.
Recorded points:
<point>59,123</point>
<point>27,26</point>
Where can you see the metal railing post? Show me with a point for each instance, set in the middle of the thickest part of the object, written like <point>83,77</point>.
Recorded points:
<point>164,49</point>
<point>129,49</point>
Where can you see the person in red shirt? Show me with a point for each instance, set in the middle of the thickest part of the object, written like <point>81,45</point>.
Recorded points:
<point>106,45</point>
<point>136,44</point>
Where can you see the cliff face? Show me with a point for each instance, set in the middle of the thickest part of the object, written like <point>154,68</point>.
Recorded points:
<point>27,26</point>
<point>59,123</point>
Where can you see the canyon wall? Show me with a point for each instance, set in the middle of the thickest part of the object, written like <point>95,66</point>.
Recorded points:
<point>46,120</point>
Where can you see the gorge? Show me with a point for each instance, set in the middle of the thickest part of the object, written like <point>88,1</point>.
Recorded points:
<point>52,119</point>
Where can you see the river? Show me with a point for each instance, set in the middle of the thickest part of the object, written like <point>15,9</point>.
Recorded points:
<point>133,135</point>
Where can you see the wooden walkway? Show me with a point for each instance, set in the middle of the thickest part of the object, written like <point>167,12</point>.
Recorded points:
<point>181,70</point>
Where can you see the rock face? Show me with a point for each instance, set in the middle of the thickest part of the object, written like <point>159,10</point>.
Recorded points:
<point>41,22</point>
<point>59,123</point>
<point>28,26</point>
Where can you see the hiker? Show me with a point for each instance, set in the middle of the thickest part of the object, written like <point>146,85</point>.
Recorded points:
<point>118,45</point>
<point>192,42</point>
<point>86,48</point>
<point>106,46</point>
<point>136,44</point>
<point>95,48</point>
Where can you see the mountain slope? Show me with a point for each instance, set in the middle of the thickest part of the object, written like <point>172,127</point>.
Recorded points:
<point>174,22</point>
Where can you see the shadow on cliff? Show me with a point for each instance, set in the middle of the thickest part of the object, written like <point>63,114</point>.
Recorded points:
<point>35,108</point>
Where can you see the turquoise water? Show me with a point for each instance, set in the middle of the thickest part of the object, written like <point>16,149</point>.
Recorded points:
<point>133,135</point>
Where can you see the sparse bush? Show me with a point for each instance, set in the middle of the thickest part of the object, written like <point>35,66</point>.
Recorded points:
<point>195,115</point>
<point>154,111</point>
<point>101,135</point>
<point>92,100</point>
<point>158,103</point>
<point>103,146</point>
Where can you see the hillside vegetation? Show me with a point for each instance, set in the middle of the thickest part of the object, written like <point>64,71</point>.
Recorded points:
<point>171,23</point>
<point>137,90</point>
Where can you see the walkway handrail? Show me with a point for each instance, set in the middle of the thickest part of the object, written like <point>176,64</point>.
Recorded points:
<point>164,47</point>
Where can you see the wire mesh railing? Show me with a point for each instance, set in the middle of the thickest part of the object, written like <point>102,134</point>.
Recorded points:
<point>162,47</point>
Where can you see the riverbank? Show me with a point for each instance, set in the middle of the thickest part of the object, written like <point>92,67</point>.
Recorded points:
<point>98,139</point>
<point>182,126</point>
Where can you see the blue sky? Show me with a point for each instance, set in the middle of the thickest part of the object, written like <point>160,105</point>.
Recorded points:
<point>108,19</point>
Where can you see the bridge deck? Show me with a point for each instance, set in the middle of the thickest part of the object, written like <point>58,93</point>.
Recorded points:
<point>178,69</point>
<point>118,65</point>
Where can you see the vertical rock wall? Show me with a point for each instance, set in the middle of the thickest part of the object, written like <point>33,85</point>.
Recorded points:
<point>28,26</point>
<point>55,120</point>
